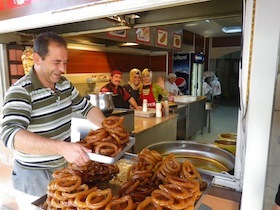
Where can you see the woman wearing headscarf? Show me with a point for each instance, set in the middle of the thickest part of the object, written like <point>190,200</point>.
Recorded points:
<point>152,91</point>
<point>134,84</point>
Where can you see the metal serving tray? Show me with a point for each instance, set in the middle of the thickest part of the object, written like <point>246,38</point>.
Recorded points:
<point>111,160</point>
<point>115,189</point>
<point>207,158</point>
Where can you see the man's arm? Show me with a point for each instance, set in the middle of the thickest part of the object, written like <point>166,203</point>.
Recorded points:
<point>96,116</point>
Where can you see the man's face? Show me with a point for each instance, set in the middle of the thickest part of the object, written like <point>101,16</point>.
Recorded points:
<point>116,79</point>
<point>54,64</point>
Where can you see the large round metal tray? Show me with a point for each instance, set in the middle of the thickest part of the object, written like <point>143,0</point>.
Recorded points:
<point>205,157</point>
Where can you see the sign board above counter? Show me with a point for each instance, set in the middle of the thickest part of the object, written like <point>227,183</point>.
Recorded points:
<point>40,13</point>
<point>30,7</point>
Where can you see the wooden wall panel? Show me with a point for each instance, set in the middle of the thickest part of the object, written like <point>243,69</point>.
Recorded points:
<point>231,41</point>
<point>158,63</point>
<point>82,61</point>
<point>126,62</point>
<point>188,37</point>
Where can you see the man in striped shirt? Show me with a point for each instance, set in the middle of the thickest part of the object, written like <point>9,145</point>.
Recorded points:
<point>37,118</point>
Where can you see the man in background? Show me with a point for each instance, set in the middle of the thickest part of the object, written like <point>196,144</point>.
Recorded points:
<point>120,94</point>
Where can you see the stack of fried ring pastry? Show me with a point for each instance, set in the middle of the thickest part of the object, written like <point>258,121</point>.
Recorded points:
<point>67,192</point>
<point>94,171</point>
<point>108,140</point>
<point>155,183</point>
<point>158,183</point>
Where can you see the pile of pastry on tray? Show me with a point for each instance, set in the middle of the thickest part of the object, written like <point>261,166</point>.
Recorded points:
<point>109,140</point>
<point>152,182</point>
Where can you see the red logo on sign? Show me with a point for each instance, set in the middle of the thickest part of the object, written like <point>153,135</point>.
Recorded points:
<point>16,3</point>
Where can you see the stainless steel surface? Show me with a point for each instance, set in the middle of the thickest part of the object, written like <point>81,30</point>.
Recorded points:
<point>181,110</point>
<point>208,158</point>
<point>102,100</point>
<point>191,118</point>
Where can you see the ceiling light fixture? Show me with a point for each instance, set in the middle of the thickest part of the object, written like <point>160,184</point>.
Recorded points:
<point>232,29</point>
<point>133,16</point>
<point>127,44</point>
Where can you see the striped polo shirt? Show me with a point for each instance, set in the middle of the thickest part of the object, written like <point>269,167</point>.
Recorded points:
<point>31,106</point>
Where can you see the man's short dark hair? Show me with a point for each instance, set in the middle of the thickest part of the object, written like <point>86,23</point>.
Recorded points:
<point>43,40</point>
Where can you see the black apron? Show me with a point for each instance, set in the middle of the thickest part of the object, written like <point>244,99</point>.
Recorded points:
<point>118,97</point>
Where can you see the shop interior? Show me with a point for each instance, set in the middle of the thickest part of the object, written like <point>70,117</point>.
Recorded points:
<point>200,29</point>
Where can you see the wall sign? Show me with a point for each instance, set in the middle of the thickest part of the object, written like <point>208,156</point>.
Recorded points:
<point>143,34</point>
<point>162,37</point>
<point>177,41</point>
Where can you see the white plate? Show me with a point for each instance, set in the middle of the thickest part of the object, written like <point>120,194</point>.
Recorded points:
<point>111,160</point>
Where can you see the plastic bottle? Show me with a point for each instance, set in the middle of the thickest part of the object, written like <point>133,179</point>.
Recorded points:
<point>158,110</point>
<point>145,105</point>
<point>166,107</point>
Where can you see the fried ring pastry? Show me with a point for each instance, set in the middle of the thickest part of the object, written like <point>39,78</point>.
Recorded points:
<point>106,148</point>
<point>82,188</point>
<point>69,183</point>
<point>175,191</point>
<point>122,203</point>
<point>106,196</point>
<point>80,200</point>
<point>190,172</point>
<point>162,198</point>
<point>148,204</point>
<point>112,121</point>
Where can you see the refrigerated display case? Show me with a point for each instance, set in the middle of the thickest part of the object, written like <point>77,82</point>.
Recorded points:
<point>189,69</point>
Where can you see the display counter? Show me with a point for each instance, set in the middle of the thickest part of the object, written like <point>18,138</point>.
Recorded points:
<point>152,130</point>
<point>191,117</point>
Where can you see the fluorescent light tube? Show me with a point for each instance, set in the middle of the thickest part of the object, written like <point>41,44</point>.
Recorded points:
<point>232,29</point>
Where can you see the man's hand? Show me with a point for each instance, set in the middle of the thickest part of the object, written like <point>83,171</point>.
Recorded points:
<point>75,153</point>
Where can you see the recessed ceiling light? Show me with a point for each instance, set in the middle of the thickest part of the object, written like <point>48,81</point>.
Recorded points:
<point>232,29</point>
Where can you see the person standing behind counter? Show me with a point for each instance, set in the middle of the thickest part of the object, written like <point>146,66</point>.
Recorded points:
<point>37,120</point>
<point>152,91</point>
<point>134,84</point>
<point>171,86</point>
<point>120,95</point>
